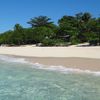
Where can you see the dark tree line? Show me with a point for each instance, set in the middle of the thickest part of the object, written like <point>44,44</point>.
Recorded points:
<point>70,30</point>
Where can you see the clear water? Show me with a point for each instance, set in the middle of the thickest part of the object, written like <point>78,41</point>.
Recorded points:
<point>19,81</point>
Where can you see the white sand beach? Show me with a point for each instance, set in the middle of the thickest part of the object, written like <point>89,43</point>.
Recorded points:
<point>74,57</point>
<point>29,51</point>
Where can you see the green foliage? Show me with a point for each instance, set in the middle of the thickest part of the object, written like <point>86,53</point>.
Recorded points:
<point>40,21</point>
<point>74,40</point>
<point>53,42</point>
<point>41,33</point>
<point>48,42</point>
<point>93,42</point>
<point>71,29</point>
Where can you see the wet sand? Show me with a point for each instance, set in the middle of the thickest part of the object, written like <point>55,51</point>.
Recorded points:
<point>68,62</point>
<point>85,58</point>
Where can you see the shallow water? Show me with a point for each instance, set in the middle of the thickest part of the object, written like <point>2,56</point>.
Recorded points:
<point>21,81</point>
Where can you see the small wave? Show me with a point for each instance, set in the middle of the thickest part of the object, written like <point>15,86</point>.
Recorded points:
<point>51,68</point>
<point>65,70</point>
<point>12,59</point>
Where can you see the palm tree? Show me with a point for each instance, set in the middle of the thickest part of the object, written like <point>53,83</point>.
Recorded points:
<point>18,27</point>
<point>83,21</point>
<point>86,17</point>
<point>40,21</point>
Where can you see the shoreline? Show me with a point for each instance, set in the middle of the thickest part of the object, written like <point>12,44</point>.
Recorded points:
<point>67,62</point>
<point>84,58</point>
<point>76,63</point>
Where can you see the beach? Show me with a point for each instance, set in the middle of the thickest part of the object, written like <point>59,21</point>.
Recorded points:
<point>85,58</point>
<point>49,73</point>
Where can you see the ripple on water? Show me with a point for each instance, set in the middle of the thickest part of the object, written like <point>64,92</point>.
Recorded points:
<point>22,81</point>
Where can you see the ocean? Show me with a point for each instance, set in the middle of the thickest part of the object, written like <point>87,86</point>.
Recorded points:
<point>20,80</point>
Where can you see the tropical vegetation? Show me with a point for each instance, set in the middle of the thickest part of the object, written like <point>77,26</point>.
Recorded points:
<point>43,32</point>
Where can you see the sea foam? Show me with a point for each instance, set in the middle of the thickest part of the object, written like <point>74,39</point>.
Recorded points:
<point>51,68</point>
<point>12,59</point>
<point>65,69</point>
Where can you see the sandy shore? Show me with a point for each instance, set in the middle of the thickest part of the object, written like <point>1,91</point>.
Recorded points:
<point>29,51</point>
<point>85,58</point>
<point>77,63</point>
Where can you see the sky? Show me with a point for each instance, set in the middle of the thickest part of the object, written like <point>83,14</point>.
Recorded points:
<point>20,11</point>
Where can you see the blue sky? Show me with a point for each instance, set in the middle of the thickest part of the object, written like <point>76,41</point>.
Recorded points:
<point>20,11</point>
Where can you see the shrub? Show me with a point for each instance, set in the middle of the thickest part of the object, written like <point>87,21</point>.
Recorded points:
<point>53,42</point>
<point>93,42</point>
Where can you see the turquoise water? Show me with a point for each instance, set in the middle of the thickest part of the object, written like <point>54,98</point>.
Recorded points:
<point>19,81</point>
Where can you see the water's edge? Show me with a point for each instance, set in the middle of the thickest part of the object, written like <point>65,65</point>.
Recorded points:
<point>51,68</point>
